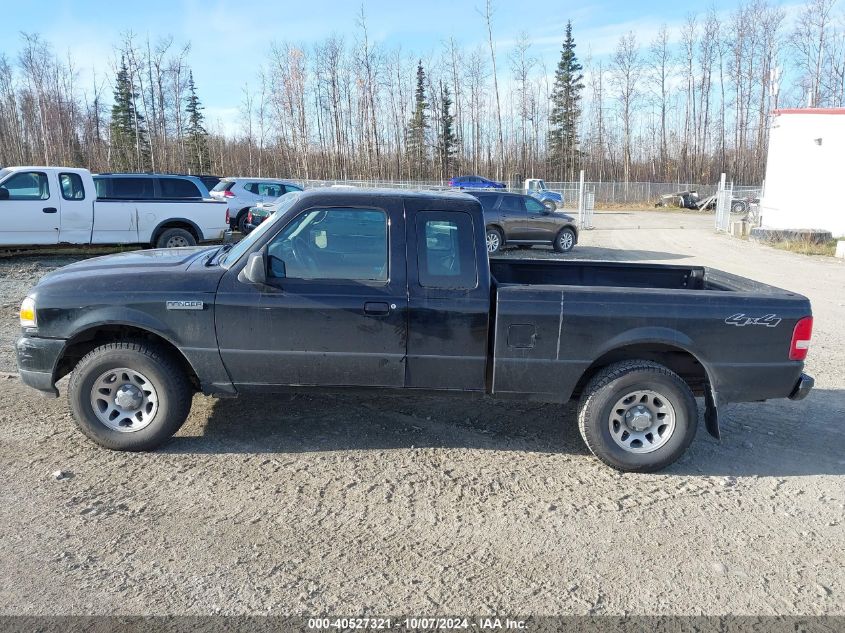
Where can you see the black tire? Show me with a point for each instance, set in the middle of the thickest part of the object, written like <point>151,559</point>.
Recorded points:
<point>175,238</point>
<point>167,376</point>
<point>495,240</point>
<point>612,384</point>
<point>565,240</point>
<point>241,221</point>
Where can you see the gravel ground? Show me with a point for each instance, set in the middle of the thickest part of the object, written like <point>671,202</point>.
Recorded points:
<point>411,505</point>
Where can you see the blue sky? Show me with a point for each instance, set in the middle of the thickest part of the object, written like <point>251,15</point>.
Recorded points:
<point>229,37</point>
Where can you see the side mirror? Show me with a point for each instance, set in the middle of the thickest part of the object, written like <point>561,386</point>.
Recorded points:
<point>4,193</point>
<point>255,270</point>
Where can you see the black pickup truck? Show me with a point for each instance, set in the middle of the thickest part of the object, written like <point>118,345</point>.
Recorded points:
<point>366,289</point>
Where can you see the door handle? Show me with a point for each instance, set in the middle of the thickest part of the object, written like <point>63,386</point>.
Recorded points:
<point>49,209</point>
<point>377,308</point>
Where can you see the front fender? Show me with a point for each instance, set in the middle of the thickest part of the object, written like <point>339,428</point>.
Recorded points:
<point>203,358</point>
<point>122,315</point>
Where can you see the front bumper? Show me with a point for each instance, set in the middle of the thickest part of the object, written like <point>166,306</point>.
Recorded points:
<point>802,387</point>
<point>37,358</point>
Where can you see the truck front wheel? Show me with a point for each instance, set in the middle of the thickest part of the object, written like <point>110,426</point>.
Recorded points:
<point>637,416</point>
<point>129,396</point>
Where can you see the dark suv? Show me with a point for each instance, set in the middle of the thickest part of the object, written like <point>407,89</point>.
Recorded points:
<point>519,220</point>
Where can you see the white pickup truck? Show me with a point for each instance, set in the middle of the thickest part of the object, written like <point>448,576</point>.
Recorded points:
<point>61,205</point>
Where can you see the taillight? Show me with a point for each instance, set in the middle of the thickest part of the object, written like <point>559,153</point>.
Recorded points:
<point>228,194</point>
<point>801,339</point>
<point>228,217</point>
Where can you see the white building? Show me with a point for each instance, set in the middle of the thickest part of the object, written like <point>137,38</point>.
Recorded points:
<point>805,171</point>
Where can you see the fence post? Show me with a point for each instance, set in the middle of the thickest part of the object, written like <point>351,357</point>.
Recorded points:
<point>581,210</point>
<point>719,202</point>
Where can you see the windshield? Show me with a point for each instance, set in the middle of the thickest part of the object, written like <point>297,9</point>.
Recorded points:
<point>245,244</point>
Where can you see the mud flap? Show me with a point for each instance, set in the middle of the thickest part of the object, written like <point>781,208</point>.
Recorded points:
<point>711,412</point>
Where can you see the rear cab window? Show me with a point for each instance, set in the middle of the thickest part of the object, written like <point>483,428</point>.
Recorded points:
<point>446,250</point>
<point>71,186</point>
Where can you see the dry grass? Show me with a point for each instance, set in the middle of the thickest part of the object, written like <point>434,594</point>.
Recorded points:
<point>807,247</point>
<point>642,206</point>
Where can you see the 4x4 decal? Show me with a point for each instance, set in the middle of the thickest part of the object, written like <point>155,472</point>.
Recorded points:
<point>741,320</point>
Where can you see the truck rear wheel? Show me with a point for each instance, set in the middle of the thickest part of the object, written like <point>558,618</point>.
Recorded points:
<point>175,238</point>
<point>129,396</point>
<point>637,416</point>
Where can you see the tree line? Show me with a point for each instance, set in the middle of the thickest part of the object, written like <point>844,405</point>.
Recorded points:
<point>693,101</point>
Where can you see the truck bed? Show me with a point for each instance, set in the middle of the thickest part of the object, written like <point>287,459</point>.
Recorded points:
<point>558,317</point>
<point>621,275</point>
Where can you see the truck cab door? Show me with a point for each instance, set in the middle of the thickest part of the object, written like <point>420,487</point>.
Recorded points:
<point>29,208</point>
<point>449,293</point>
<point>77,213</point>
<point>333,310</point>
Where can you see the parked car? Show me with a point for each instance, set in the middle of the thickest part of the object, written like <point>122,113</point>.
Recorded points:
<point>349,289</point>
<point>263,210</point>
<point>536,187</point>
<point>514,219</point>
<point>475,182</point>
<point>57,205</point>
<point>243,193</point>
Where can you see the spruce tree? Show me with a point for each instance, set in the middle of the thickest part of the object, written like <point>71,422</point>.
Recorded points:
<point>129,145</point>
<point>566,111</point>
<point>195,132</point>
<point>416,147</point>
<point>447,141</point>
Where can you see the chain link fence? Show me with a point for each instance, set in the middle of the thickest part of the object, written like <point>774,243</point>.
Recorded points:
<point>604,193</point>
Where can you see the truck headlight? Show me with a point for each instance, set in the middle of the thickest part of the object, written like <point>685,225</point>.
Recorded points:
<point>27,313</point>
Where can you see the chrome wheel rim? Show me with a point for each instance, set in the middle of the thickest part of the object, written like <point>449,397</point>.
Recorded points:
<point>493,242</point>
<point>565,241</point>
<point>642,421</point>
<point>124,400</point>
<point>176,241</point>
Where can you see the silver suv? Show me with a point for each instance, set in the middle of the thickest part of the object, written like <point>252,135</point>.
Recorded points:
<point>243,193</point>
